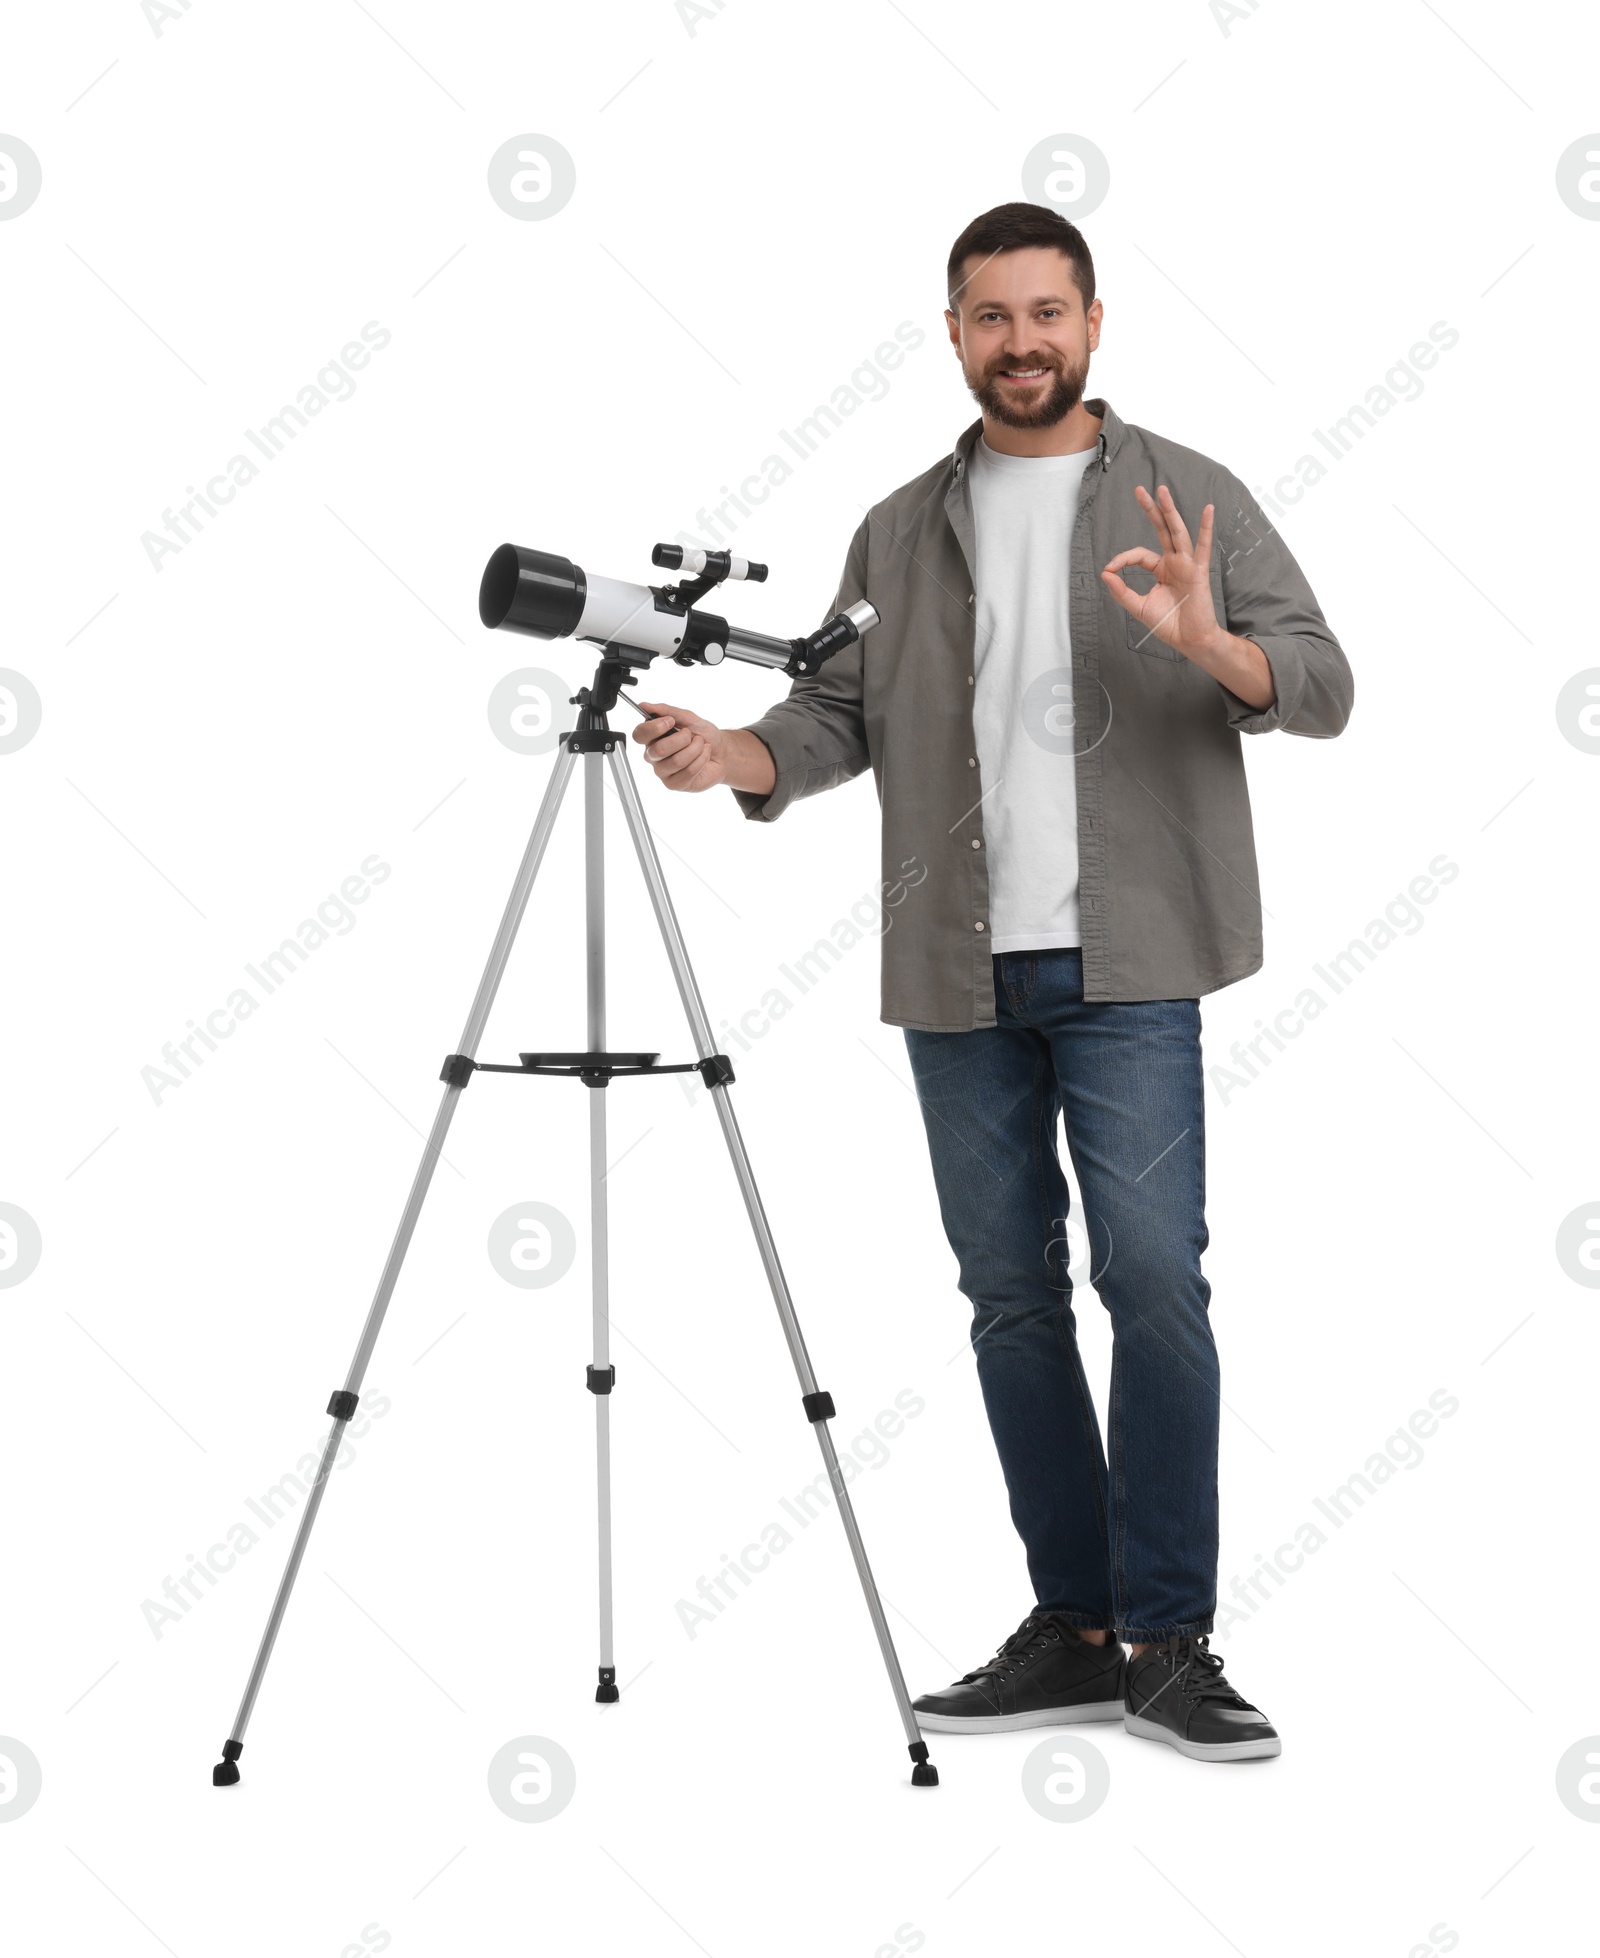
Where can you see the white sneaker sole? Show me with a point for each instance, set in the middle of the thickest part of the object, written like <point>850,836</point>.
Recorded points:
<point>1010,1723</point>
<point>1229,1750</point>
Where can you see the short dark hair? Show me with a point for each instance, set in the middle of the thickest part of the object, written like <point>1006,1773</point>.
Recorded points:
<point>1017,227</point>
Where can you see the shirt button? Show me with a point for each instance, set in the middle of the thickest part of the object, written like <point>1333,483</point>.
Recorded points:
<point>978,926</point>
<point>971,596</point>
<point>976,843</point>
<point>970,681</point>
<point>972,761</point>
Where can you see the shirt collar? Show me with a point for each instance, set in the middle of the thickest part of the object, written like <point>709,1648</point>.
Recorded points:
<point>1111,433</point>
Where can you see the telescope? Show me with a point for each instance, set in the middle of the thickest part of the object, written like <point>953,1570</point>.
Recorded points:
<point>550,597</point>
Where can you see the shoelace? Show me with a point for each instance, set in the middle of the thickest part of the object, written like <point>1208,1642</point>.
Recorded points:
<point>1201,1678</point>
<point>1026,1642</point>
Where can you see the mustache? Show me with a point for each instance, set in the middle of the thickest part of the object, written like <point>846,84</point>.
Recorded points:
<point>1011,364</point>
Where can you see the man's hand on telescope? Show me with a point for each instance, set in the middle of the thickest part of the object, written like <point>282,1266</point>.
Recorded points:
<point>689,752</point>
<point>681,747</point>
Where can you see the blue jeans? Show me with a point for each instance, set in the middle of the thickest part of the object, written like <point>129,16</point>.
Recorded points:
<point>1131,1547</point>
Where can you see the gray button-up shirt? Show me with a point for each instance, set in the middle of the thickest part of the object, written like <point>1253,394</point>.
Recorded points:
<point>1167,891</point>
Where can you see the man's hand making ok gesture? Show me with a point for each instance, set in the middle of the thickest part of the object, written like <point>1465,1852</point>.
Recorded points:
<point>1178,610</point>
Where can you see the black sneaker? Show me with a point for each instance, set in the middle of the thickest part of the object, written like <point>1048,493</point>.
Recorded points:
<point>1045,1675</point>
<point>1177,1693</point>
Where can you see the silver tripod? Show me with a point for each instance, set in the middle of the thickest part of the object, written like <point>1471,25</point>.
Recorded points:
<point>593,739</point>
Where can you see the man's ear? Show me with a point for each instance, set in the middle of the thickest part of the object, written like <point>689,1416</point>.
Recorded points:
<point>953,325</point>
<point>1094,316</point>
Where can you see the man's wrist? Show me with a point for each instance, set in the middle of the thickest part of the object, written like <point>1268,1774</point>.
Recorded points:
<point>1240,665</point>
<point>747,763</point>
<point>1221,647</point>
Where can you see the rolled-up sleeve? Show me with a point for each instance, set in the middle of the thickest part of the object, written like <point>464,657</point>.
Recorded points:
<point>817,733</point>
<point>1269,601</point>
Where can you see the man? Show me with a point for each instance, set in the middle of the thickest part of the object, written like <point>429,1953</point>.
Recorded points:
<point>1079,620</point>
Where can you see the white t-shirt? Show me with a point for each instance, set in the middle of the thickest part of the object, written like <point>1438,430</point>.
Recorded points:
<point>1024,508</point>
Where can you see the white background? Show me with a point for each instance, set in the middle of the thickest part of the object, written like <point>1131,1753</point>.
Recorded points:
<point>759,202</point>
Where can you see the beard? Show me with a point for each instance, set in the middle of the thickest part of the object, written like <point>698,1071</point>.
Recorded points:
<point>1057,394</point>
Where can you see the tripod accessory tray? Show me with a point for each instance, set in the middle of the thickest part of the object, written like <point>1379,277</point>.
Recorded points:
<point>594,1068</point>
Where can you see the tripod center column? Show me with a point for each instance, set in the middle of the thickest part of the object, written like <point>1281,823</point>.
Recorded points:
<point>595,969</point>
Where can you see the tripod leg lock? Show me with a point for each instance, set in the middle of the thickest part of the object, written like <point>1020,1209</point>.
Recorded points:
<point>601,1379</point>
<point>818,1406</point>
<point>343,1404</point>
<point>716,1070</point>
<point>457,1070</point>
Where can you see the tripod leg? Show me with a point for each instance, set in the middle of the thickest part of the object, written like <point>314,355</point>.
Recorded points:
<point>818,1405</point>
<point>345,1401</point>
<point>602,1375</point>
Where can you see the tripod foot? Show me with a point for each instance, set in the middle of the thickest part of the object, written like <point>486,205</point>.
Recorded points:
<point>226,1772</point>
<point>924,1774</point>
<point>606,1691</point>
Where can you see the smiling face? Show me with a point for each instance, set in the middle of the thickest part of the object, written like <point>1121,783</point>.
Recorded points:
<point>1023,337</point>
